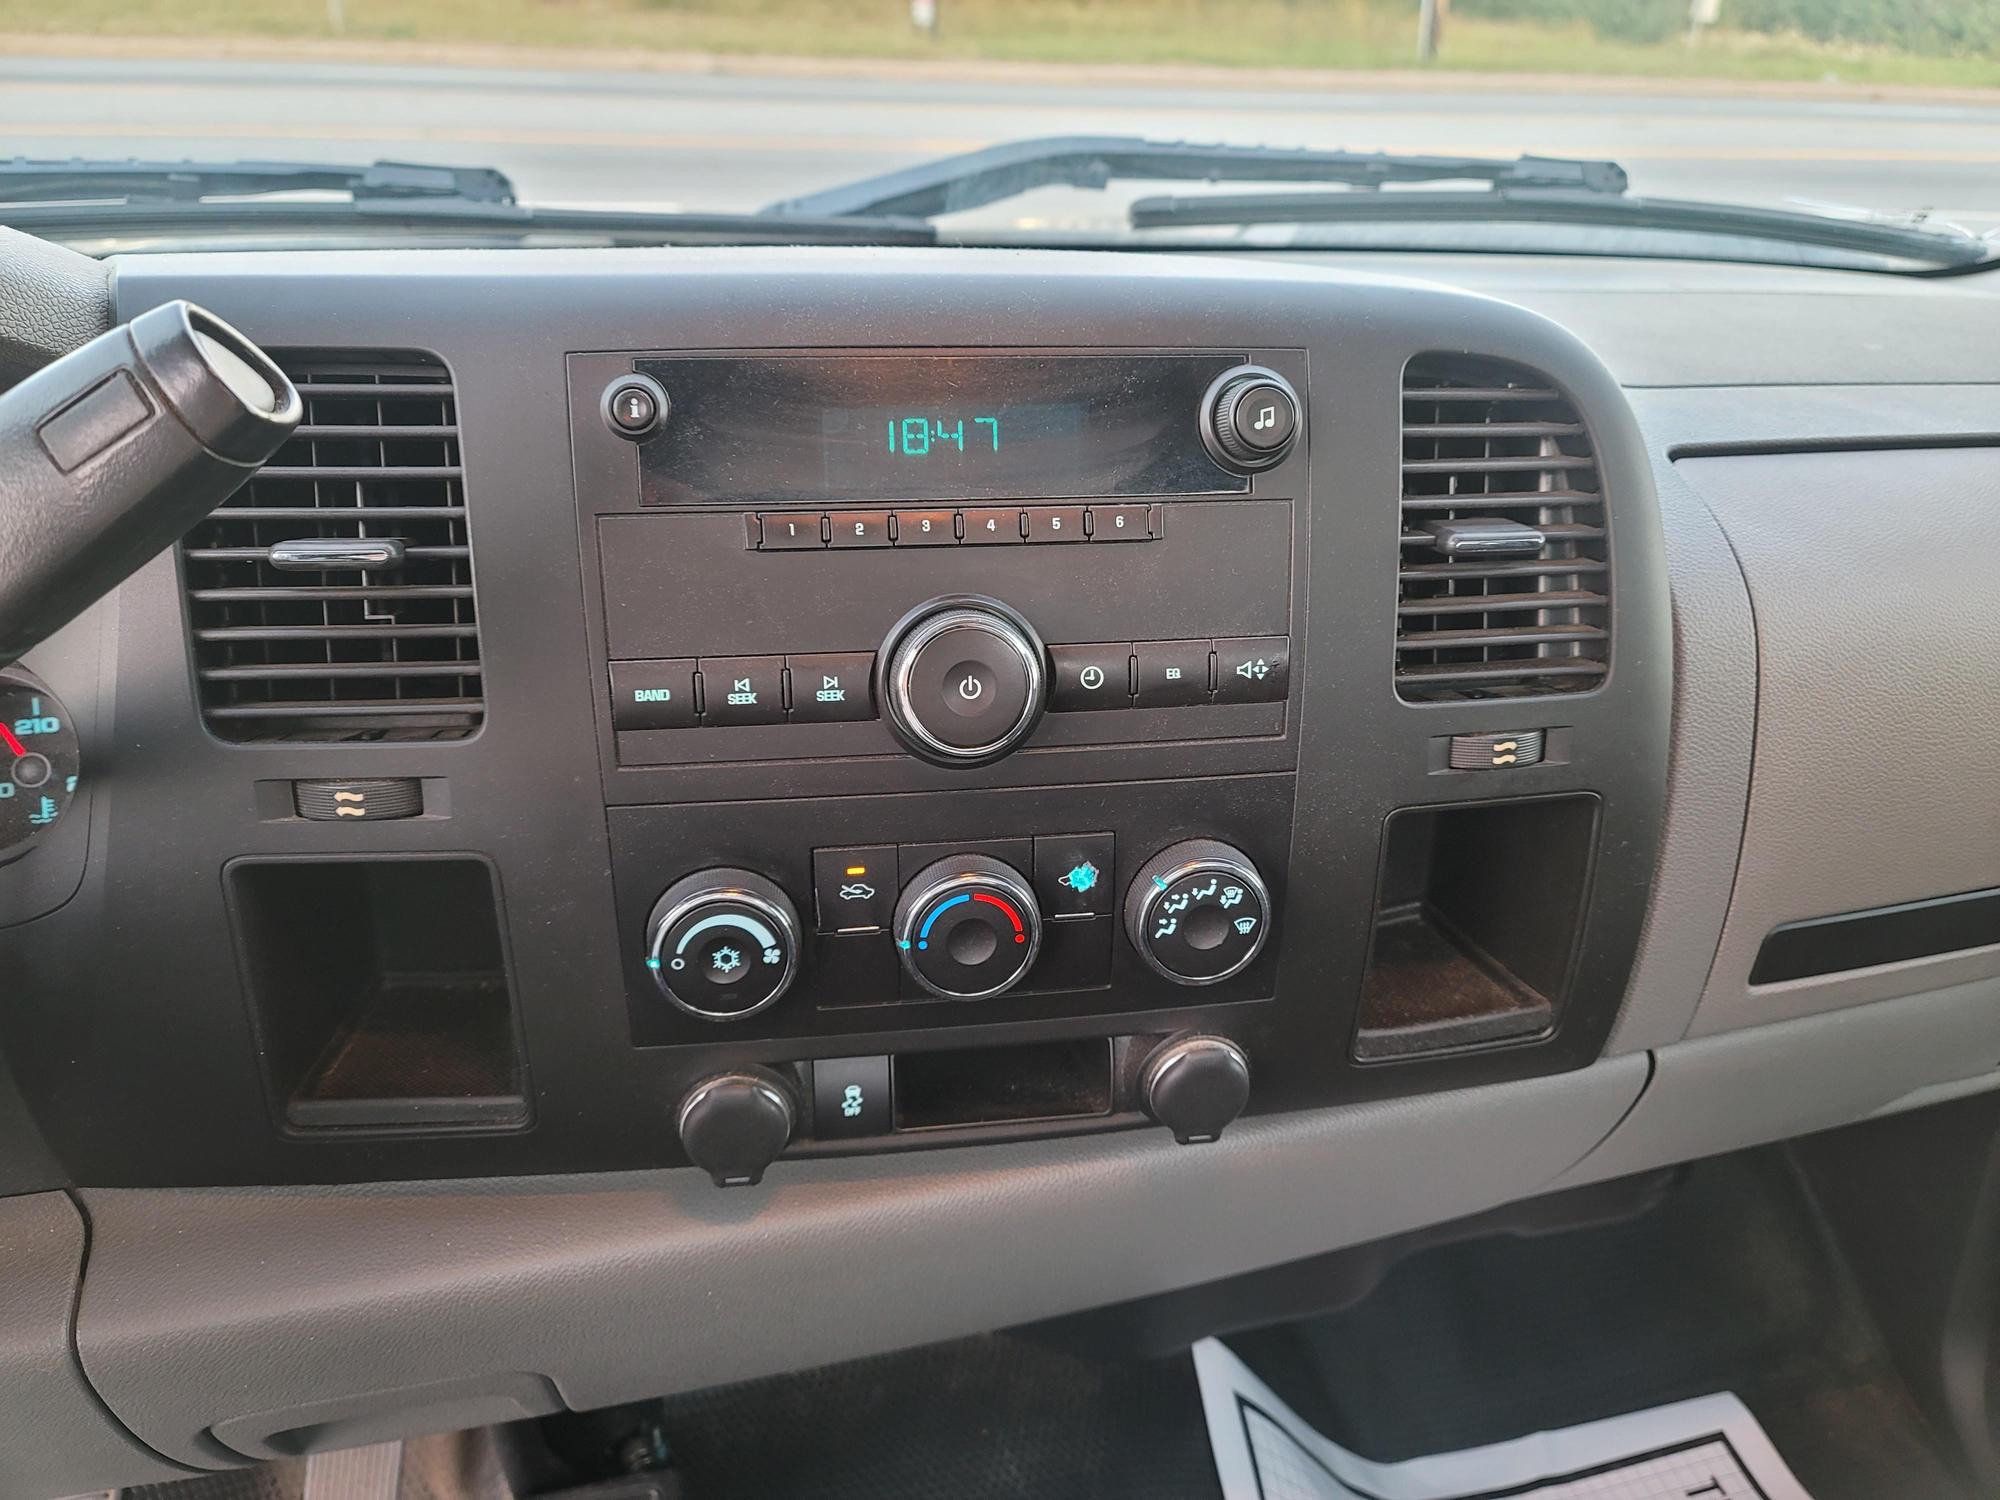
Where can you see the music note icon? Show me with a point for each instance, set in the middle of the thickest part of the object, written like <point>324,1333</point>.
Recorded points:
<point>1267,416</point>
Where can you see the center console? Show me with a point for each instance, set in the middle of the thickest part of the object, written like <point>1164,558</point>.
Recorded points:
<point>823,704</point>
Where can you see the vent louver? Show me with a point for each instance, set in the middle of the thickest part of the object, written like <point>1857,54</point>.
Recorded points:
<point>378,652</point>
<point>1492,443</point>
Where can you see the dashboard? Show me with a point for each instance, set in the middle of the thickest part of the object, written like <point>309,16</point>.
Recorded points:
<point>1032,763</point>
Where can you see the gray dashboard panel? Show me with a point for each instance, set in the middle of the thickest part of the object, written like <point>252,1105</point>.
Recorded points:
<point>204,1306</point>
<point>54,1432</point>
<point>1877,775</point>
<point>1708,772</point>
<point>1770,1083</point>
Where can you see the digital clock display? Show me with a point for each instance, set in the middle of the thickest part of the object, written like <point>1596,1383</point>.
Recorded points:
<point>836,428</point>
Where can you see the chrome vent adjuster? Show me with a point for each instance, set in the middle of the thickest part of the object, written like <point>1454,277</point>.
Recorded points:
<point>332,596</point>
<point>1504,587</point>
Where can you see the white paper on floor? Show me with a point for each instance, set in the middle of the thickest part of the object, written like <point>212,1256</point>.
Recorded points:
<point>1709,1448</point>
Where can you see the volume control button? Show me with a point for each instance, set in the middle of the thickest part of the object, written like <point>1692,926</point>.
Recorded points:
<point>962,680</point>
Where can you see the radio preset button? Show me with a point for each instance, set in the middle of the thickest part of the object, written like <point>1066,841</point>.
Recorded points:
<point>984,527</point>
<point>1253,671</point>
<point>1120,523</point>
<point>858,528</point>
<point>742,690</point>
<point>1171,674</point>
<point>1055,523</point>
<point>926,528</point>
<point>789,533</point>
<point>1091,677</point>
<point>652,694</point>
<point>832,687</point>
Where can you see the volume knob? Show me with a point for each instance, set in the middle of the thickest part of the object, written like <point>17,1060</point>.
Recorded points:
<point>963,680</point>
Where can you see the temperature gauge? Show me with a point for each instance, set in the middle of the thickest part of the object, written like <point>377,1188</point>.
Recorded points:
<point>39,761</point>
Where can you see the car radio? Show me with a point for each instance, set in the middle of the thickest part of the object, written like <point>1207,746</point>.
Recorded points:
<point>916,668</point>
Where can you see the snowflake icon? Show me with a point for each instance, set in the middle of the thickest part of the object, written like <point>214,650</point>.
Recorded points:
<point>725,959</point>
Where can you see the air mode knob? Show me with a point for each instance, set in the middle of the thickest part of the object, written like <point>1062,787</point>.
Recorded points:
<point>963,679</point>
<point>723,944</point>
<point>1198,912</point>
<point>1249,418</point>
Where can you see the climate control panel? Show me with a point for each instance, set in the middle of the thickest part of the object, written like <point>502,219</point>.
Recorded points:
<point>838,917</point>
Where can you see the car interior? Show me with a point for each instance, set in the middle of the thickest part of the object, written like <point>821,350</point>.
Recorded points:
<point>965,832</point>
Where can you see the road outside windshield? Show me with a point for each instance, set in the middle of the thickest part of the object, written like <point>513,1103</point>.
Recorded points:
<point>1884,109</point>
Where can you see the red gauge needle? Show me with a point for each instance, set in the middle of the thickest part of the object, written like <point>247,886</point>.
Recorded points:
<point>12,743</point>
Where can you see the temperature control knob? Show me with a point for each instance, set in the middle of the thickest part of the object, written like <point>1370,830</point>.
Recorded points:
<point>723,944</point>
<point>963,680</point>
<point>1198,912</point>
<point>967,927</point>
<point>1249,418</point>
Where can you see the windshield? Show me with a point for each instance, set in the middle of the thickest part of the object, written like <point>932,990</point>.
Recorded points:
<point>599,120</point>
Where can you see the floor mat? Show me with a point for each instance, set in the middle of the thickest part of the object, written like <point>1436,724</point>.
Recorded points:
<point>994,1418</point>
<point>1729,1285</point>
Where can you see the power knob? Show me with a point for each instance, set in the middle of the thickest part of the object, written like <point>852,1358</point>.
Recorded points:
<point>1249,418</point>
<point>962,679</point>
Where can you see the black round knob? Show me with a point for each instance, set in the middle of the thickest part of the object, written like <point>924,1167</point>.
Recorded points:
<point>1198,912</point>
<point>723,944</point>
<point>734,1126</point>
<point>967,927</point>
<point>634,406</point>
<point>1249,418</point>
<point>962,679</point>
<point>1195,1085</point>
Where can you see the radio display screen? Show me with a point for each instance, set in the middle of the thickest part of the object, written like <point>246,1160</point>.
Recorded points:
<point>813,428</point>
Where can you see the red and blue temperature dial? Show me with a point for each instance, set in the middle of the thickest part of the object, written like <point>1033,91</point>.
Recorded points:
<point>967,928</point>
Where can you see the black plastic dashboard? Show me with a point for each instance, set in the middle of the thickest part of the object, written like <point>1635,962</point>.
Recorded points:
<point>199,1026</point>
<point>326,1127</point>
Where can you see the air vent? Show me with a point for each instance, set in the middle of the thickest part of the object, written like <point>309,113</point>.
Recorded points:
<point>293,643</point>
<point>1504,589</point>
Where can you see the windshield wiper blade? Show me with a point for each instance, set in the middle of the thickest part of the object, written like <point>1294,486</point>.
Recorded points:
<point>1533,206</point>
<point>954,184</point>
<point>126,199</point>
<point>26,181</point>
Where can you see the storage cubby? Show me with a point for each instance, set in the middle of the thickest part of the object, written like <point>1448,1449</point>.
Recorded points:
<point>379,992</point>
<point>1477,913</point>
